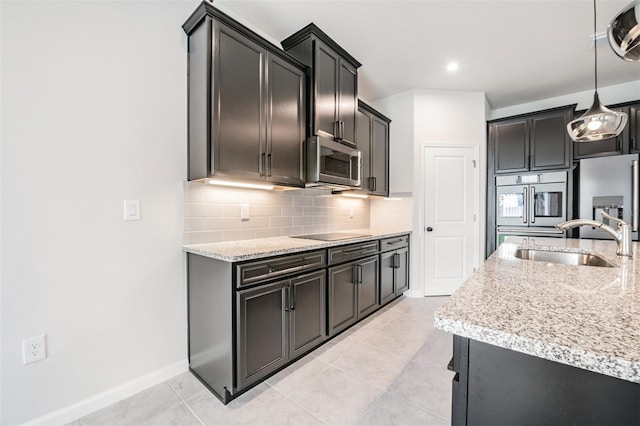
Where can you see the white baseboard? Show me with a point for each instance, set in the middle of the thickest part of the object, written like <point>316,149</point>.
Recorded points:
<point>413,293</point>
<point>111,396</point>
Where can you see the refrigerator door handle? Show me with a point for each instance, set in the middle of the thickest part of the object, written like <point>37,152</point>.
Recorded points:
<point>532,203</point>
<point>525,206</point>
<point>634,196</point>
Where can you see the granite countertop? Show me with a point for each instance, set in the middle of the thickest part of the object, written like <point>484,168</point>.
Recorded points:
<point>237,251</point>
<point>583,316</point>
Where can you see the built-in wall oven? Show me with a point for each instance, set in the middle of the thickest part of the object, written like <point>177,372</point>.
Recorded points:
<point>530,205</point>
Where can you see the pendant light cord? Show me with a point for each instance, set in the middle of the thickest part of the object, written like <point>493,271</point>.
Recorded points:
<point>595,47</point>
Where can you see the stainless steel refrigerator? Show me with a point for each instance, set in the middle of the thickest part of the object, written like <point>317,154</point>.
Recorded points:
<point>609,184</point>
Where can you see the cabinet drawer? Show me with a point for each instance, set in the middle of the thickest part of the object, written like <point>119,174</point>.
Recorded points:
<point>352,251</point>
<point>394,243</point>
<point>252,272</point>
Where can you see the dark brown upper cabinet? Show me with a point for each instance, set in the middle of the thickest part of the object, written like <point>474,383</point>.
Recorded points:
<point>612,146</point>
<point>372,139</point>
<point>333,100</point>
<point>532,142</point>
<point>247,107</point>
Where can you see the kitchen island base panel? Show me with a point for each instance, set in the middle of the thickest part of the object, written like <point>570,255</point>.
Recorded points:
<point>499,386</point>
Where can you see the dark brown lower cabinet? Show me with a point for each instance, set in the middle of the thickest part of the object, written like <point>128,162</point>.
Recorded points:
<point>278,322</point>
<point>497,386</point>
<point>353,292</point>
<point>394,274</point>
<point>251,318</point>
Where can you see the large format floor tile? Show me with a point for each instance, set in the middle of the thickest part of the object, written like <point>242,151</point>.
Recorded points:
<point>336,397</point>
<point>389,369</point>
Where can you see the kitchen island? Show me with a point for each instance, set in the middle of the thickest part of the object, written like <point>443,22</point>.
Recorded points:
<point>547,343</point>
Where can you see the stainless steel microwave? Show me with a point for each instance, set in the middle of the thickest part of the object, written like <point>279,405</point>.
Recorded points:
<point>332,164</point>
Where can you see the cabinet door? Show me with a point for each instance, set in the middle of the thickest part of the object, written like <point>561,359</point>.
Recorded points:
<point>238,129</point>
<point>379,157</point>
<point>605,147</point>
<point>261,331</point>
<point>387,282</point>
<point>347,102</point>
<point>402,271</point>
<point>363,138</point>
<point>285,122</point>
<point>343,297</point>
<point>511,145</point>
<point>368,286</point>
<point>634,128</point>
<point>326,91</point>
<point>550,141</point>
<point>308,326</point>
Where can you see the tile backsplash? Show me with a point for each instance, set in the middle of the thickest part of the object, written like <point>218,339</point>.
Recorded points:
<point>212,214</point>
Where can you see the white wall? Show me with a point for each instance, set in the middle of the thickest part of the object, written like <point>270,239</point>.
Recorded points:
<point>437,117</point>
<point>93,113</point>
<point>608,95</point>
<point>399,108</point>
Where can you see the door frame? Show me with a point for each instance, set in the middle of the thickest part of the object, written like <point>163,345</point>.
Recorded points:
<point>419,238</point>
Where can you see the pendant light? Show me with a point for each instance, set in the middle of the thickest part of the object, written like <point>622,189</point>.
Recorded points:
<point>624,33</point>
<point>599,122</point>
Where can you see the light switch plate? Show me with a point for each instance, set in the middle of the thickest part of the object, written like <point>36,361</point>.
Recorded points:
<point>131,209</point>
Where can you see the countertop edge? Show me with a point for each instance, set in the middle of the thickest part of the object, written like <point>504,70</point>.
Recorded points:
<point>306,245</point>
<point>614,367</point>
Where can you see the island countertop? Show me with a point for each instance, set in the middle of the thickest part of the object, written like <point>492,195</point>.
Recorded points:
<point>237,251</point>
<point>583,316</point>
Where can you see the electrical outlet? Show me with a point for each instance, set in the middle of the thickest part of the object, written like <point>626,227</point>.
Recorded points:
<point>244,211</point>
<point>34,349</point>
<point>351,212</point>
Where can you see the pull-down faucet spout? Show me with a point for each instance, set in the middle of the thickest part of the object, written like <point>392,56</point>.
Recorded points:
<point>621,234</point>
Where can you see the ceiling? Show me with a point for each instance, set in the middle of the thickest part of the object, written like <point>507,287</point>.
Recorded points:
<point>515,51</point>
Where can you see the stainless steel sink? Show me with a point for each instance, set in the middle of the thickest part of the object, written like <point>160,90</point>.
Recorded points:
<point>565,258</point>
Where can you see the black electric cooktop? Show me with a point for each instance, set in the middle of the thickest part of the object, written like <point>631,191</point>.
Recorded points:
<point>331,236</point>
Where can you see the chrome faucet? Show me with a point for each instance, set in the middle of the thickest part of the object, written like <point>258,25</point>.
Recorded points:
<point>622,233</point>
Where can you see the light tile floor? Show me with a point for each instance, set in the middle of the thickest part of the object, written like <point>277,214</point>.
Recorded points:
<point>390,369</point>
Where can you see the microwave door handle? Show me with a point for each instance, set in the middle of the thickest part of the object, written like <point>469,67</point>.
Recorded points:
<point>634,196</point>
<point>532,203</point>
<point>525,205</point>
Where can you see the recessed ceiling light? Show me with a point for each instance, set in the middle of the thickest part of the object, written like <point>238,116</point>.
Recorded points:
<point>452,66</point>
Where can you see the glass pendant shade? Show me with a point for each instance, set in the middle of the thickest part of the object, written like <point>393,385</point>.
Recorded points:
<point>624,32</point>
<point>598,123</point>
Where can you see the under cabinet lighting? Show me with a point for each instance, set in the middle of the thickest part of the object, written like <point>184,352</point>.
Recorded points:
<point>349,195</point>
<point>239,184</point>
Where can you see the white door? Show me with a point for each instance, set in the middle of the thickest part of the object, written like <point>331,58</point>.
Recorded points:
<point>451,233</point>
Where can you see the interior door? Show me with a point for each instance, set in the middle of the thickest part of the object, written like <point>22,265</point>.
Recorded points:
<point>450,220</point>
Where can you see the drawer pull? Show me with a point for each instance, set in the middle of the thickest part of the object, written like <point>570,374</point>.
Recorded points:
<point>399,240</point>
<point>286,270</point>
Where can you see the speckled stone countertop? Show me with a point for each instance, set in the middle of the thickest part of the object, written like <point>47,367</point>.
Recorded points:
<point>584,316</point>
<point>237,251</point>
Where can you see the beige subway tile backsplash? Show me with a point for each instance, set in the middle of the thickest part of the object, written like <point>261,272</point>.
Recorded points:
<point>212,214</point>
